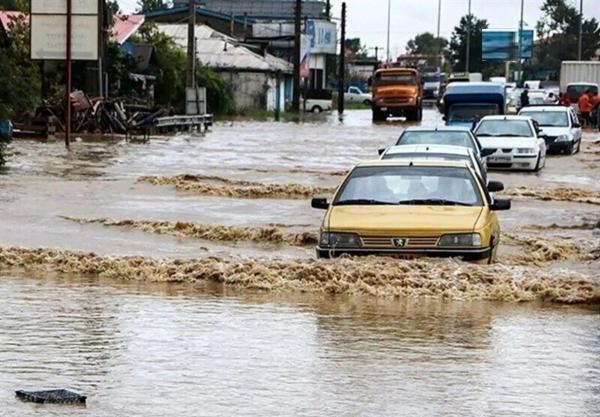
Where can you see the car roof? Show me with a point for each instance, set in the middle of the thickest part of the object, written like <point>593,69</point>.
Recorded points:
<point>556,108</point>
<point>415,163</point>
<point>437,129</point>
<point>424,148</point>
<point>508,118</point>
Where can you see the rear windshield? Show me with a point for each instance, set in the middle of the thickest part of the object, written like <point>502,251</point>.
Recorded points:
<point>471,112</point>
<point>510,128</point>
<point>575,91</point>
<point>395,78</point>
<point>432,78</point>
<point>548,118</point>
<point>440,137</point>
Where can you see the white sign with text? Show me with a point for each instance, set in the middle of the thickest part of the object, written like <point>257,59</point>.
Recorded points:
<point>49,37</point>
<point>60,7</point>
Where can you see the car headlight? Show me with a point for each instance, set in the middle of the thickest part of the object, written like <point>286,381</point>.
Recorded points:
<point>563,138</point>
<point>461,239</point>
<point>525,150</point>
<point>340,240</point>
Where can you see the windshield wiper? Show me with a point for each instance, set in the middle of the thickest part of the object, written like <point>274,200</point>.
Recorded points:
<point>512,135</point>
<point>434,202</point>
<point>362,202</point>
<point>483,134</point>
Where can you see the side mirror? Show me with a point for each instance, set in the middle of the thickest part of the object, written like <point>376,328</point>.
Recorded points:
<point>500,205</point>
<point>576,125</point>
<point>495,186</point>
<point>319,203</point>
<point>487,152</point>
<point>444,118</point>
<point>381,151</point>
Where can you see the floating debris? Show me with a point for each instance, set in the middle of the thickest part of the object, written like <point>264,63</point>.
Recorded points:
<point>56,396</point>
<point>557,194</point>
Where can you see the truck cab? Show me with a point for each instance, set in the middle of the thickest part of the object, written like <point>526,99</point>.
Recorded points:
<point>464,104</point>
<point>397,92</point>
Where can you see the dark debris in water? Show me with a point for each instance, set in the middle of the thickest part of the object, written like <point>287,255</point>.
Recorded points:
<point>56,396</point>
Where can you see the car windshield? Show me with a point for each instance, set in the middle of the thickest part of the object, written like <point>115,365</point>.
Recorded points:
<point>428,155</point>
<point>431,78</point>
<point>437,137</point>
<point>391,185</point>
<point>515,128</point>
<point>549,118</point>
<point>395,78</point>
<point>575,91</point>
<point>471,112</point>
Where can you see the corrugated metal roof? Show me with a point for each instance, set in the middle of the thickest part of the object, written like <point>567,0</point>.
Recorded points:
<point>265,8</point>
<point>217,50</point>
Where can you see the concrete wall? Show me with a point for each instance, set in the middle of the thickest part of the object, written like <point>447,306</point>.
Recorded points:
<point>257,91</point>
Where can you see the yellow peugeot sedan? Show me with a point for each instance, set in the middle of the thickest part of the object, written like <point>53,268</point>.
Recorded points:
<point>410,209</point>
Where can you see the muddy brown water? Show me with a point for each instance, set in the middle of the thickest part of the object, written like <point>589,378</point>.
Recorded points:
<point>145,349</point>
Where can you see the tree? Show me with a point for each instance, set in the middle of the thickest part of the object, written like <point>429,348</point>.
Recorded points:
<point>15,5</point>
<point>458,44</point>
<point>145,6</point>
<point>427,44</point>
<point>558,37</point>
<point>354,48</point>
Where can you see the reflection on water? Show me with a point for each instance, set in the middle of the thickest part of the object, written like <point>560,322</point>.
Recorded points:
<point>159,349</point>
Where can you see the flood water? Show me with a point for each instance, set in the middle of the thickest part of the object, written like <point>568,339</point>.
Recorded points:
<point>207,348</point>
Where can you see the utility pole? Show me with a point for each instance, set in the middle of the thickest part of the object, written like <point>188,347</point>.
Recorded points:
<point>438,35</point>
<point>342,73</point>
<point>191,49</point>
<point>580,45</point>
<point>468,57</point>
<point>69,77</point>
<point>519,58</point>
<point>296,61</point>
<point>328,9</point>
<point>388,30</point>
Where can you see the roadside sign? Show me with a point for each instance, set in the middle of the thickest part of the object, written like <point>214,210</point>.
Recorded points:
<point>195,100</point>
<point>60,7</point>
<point>49,37</point>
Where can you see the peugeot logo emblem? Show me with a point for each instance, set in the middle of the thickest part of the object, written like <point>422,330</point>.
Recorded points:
<point>399,243</point>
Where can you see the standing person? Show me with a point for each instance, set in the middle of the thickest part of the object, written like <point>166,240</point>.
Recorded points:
<point>585,107</point>
<point>525,98</point>
<point>565,100</point>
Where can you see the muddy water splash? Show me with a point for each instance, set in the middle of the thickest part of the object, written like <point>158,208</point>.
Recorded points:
<point>540,250</point>
<point>557,194</point>
<point>224,187</point>
<point>270,234</point>
<point>378,277</point>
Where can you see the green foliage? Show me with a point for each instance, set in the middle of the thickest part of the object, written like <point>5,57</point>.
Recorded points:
<point>427,44</point>
<point>558,33</point>
<point>19,76</point>
<point>145,6</point>
<point>355,48</point>
<point>458,44</point>
<point>15,5</point>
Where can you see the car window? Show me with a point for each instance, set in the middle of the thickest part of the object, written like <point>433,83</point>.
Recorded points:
<point>395,78</point>
<point>549,118</point>
<point>441,137</point>
<point>494,128</point>
<point>471,112</point>
<point>574,119</point>
<point>354,90</point>
<point>404,185</point>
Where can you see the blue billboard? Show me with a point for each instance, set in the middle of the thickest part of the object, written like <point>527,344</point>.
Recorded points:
<point>503,45</point>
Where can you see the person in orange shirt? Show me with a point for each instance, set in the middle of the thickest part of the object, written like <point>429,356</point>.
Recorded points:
<point>585,107</point>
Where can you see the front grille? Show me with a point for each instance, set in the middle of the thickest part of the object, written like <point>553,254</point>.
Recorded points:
<point>550,139</point>
<point>492,149</point>
<point>415,242</point>
<point>395,100</point>
<point>506,150</point>
<point>500,165</point>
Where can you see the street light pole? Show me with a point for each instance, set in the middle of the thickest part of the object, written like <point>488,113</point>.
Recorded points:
<point>580,44</point>
<point>468,57</point>
<point>519,57</point>
<point>438,35</point>
<point>388,29</point>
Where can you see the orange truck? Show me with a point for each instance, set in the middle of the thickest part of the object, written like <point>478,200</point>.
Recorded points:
<point>397,92</point>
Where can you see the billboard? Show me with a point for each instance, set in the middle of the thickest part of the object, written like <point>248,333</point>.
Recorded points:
<point>503,45</point>
<point>322,34</point>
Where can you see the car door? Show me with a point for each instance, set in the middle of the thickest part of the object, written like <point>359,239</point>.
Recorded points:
<point>575,127</point>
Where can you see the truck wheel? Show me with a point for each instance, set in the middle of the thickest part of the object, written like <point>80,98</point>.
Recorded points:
<point>412,115</point>
<point>378,115</point>
<point>316,109</point>
<point>420,113</point>
<point>367,102</point>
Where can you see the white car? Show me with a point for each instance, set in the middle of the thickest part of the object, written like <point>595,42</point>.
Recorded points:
<point>514,141</point>
<point>438,152</point>
<point>356,95</point>
<point>560,127</point>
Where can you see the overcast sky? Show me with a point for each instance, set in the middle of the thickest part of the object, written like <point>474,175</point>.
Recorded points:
<point>367,19</point>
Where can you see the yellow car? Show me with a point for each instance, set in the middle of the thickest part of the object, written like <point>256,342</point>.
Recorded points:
<point>410,209</point>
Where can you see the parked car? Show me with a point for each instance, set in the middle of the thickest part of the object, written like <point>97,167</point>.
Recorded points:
<point>410,209</point>
<point>511,142</point>
<point>561,128</point>
<point>464,104</point>
<point>447,135</point>
<point>317,101</point>
<point>438,152</point>
<point>356,95</point>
